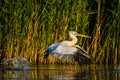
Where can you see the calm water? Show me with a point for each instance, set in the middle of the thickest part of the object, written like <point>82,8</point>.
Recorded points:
<point>63,72</point>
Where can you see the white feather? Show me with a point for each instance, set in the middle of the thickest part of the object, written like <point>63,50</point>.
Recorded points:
<point>68,50</point>
<point>65,50</point>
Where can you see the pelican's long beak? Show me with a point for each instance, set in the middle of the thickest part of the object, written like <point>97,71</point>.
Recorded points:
<point>82,35</point>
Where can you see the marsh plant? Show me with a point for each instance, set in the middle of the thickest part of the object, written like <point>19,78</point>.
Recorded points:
<point>28,27</point>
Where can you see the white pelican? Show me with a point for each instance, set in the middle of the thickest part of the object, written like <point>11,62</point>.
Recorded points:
<point>68,50</point>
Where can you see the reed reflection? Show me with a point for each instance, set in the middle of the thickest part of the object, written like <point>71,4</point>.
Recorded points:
<point>79,73</point>
<point>63,72</point>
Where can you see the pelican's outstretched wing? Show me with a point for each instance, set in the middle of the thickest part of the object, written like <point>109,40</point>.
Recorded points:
<point>68,52</point>
<point>50,49</point>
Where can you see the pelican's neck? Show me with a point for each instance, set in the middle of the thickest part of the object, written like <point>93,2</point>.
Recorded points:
<point>74,38</point>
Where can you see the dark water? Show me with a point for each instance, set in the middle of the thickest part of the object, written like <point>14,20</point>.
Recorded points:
<point>63,72</point>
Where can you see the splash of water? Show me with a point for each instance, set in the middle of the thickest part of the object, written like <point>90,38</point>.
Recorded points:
<point>17,63</point>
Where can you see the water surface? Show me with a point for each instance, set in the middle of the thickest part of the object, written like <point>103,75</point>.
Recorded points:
<point>63,72</point>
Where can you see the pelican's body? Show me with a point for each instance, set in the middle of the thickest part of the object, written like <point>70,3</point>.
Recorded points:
<point>68,50</point>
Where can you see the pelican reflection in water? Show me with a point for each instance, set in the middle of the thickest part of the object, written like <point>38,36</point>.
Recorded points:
<point>68,50</point>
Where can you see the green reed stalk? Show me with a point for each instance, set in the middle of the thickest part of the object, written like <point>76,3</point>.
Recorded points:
<point>27,28</point>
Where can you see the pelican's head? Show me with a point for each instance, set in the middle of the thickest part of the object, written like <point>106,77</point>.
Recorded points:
<point>74,33</point>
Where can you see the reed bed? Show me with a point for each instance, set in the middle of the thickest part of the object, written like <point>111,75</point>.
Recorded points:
<point>28,27</point>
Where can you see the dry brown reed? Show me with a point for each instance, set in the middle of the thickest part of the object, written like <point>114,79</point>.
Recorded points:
<point>27,28</point>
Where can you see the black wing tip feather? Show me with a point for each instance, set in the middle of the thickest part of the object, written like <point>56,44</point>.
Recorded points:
<point>46,54</point>
<point>82,57</point>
